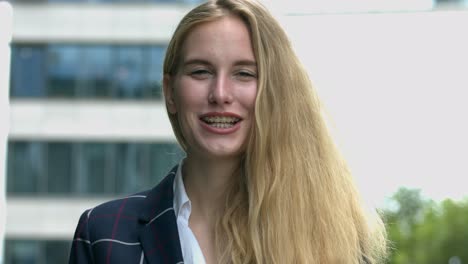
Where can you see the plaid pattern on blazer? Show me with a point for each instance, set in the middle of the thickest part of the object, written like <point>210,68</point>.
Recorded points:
<point>141,228</point>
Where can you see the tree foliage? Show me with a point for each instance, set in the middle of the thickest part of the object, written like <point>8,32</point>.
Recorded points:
<point>424,232</point>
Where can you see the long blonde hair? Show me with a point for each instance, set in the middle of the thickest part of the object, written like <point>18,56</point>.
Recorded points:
<point>294,200</point>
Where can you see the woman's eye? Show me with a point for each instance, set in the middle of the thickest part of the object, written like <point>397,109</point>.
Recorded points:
<point>200,74</point>
<point>246,75</point>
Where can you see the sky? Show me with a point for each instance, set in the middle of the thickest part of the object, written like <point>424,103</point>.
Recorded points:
<point>395,88</point>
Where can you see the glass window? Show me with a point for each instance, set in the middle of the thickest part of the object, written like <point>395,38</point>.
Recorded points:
<point>23,252</point>
<point>66,1</point>
<point>141,166</point>
<point>27,1</point>
<point>87,168</point>
<point>129,72</point>
<point>456,3</point>
<point>27,71</point>
<point>132,168</point>
<point>25,167</point>
<point>191,1</point>
<point>163,1</point>
<point>59,168</point>
<point>97,72</point>
<point>115,1</point>
<point>87,71</point>
<point>36,251</point>
<point>56,251</point>
<point>155,71</point>
<point>449,1</point>
<point>93,165</point>
<point>162,158</point>
<point>63,63</point>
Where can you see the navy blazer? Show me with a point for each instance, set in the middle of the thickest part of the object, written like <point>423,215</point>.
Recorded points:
<point>140,228</point>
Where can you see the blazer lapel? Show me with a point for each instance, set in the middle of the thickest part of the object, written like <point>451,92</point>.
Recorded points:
<point>159,236</point>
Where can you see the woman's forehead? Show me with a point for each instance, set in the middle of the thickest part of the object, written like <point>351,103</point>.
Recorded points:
<point>224,38</point>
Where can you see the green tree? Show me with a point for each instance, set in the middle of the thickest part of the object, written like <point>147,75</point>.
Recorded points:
<point>424,232</point>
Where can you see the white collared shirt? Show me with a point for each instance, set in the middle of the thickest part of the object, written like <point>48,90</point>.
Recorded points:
<point>191,250</point>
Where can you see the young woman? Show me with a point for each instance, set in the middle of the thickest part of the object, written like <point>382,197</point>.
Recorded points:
<point>262,181</point>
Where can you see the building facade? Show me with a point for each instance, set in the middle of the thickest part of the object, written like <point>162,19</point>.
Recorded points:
<point>87,121</point>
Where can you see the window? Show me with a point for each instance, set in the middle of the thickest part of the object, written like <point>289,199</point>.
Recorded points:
<point>132,171</point>
<point>62,70</point>
<point>110,1</point>
<point>154,74</point>
<point>163,157</point>
<point>87,168</point>
<point>36,251</point>
<point>143,165</point>
<point>122,1</point>
<point>25,161</point>
<point>59,167</point>
<point>56,251</point>
<point>97,81</point>
<point>94,168</point>
<point>459,4</point>
<point>129,72</point>
<point>87,71</point>
<point>27,71</point>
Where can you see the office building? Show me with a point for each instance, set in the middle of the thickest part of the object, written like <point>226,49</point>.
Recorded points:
<point>87,120</point>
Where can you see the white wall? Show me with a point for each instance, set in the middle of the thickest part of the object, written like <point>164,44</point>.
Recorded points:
<point>96,23</point>
<point>88,119</point>
<point>53,218</point>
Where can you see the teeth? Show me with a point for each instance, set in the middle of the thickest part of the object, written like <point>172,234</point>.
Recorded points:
<point>220,119</point>
<point>221,125</point>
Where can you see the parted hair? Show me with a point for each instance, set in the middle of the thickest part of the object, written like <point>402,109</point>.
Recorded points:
<point>293,199</point>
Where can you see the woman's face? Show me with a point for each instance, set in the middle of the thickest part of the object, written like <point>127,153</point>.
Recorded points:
<point>214,90</point>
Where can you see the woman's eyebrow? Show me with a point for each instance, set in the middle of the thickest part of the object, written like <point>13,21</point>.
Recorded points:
<point>196,61</point>
<point>246,62</point>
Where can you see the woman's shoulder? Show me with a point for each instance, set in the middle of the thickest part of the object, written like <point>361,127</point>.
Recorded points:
<point>127,210</point>
<point>126,204</point>
<point>115,216</point>
<point>132,205</point>
<point>120,222</point>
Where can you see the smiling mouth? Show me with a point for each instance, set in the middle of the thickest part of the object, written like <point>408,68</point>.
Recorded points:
<point>220,121</point>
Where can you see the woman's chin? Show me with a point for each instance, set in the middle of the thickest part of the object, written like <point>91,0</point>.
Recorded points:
<point>220,153</point>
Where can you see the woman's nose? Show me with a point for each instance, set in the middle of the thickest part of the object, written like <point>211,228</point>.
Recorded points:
<point>221,91</point>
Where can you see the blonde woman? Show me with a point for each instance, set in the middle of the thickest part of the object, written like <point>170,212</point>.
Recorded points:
<point>262,181</point>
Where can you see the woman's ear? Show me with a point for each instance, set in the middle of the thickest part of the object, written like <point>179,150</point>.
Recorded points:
<point>169,94</point>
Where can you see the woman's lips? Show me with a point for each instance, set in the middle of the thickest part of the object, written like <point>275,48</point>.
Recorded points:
<point>220,122</point>
<point>220,114</point>
<point>221,128</point>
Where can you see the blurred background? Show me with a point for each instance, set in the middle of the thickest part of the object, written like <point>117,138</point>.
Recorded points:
<point>87,121</point>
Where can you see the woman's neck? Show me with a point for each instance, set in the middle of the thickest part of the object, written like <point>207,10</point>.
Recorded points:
<point>206,183</point>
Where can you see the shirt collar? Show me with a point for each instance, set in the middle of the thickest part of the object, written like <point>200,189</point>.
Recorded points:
<point>182,205</point>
